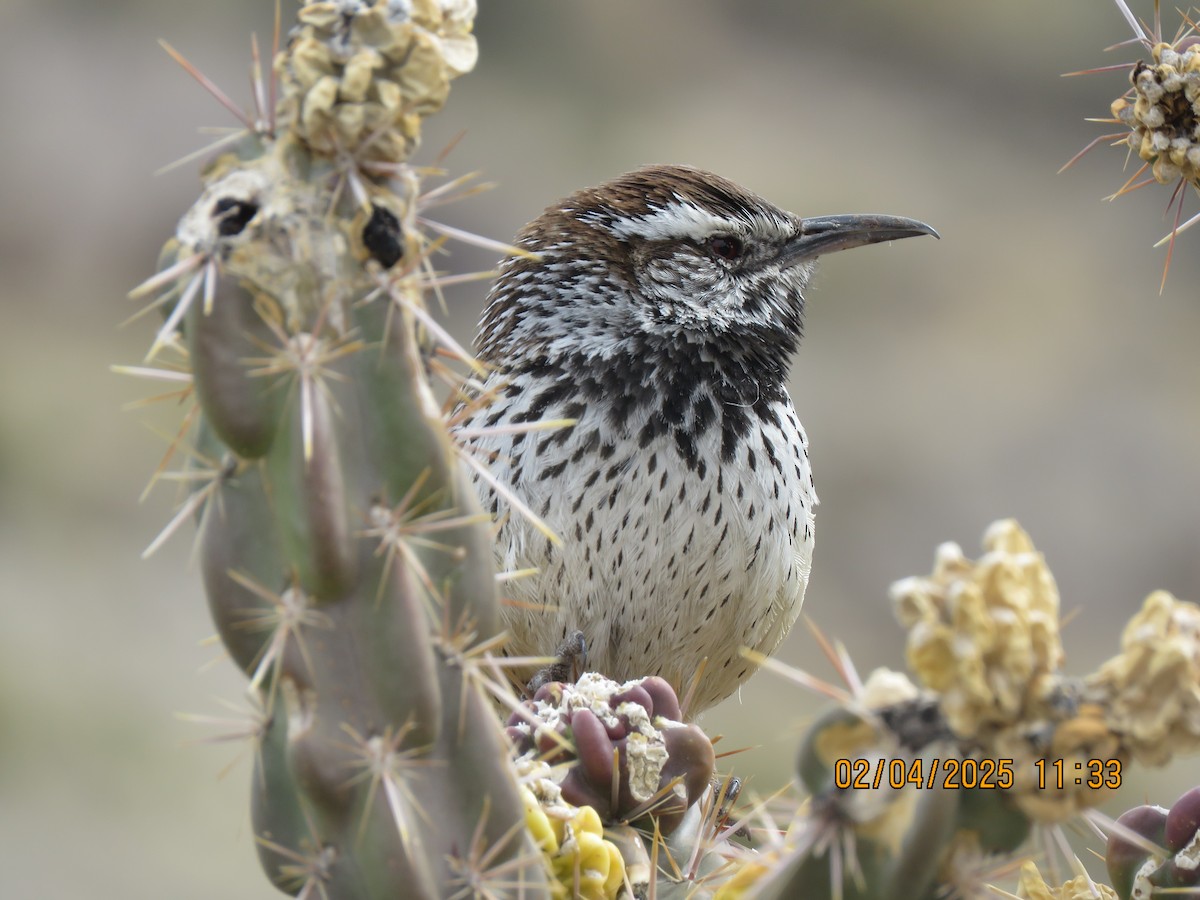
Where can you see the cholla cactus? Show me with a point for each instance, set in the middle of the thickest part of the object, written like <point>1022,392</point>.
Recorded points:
<point>1151,691</point>
<point>358,77</point>
<point>938,785</point>
<point>984,638</point>
<point>1164,117</point>
<point>347,565</point>
<point>622,748</point>
<point>1160,114</point>
<point>984,634</point>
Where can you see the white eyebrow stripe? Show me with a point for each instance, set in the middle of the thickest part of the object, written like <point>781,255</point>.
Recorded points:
<point>677,220</point>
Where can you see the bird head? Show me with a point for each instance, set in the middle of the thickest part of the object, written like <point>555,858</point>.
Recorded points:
<point>666,254</point>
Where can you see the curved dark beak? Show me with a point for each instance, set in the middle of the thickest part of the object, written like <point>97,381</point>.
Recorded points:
<point>828,234</point>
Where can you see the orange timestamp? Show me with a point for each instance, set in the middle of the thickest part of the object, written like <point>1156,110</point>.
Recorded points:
<point>949,774</point>
<point>972,774</point>
<point>1058,774</point>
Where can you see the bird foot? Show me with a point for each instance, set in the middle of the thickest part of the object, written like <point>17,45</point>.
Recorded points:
<point>569,661</point>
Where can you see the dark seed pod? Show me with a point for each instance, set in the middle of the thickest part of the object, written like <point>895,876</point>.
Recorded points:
<point>383,237</point>
<point>233,215</point>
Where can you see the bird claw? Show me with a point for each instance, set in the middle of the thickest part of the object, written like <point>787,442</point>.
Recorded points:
<point>569,663</point>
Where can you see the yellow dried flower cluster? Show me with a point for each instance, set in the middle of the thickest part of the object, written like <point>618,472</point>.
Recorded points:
<point>1164,114</point>
<point>1033,887</point>
<point>358,76</point>
<point>583,863</point>
<point>984,634</point>
<point>1150,692</point>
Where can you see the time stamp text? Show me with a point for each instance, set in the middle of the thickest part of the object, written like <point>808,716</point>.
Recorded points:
<point>971,774</point>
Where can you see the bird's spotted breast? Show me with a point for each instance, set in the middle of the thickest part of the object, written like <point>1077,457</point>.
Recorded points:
<point>684,519</point>
<point>660,311</point>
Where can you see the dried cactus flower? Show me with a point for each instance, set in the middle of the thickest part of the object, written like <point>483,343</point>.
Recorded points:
<point>1151,690</point>
<point>1033,887</point>
<point>984,638</point>
<point>984,634</point>
<point>1162,111</point>
<point>1160,114</point>
<point>628,754</point>
<point>358,76</point>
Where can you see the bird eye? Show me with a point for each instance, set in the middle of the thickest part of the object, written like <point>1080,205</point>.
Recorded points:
<point>725,246</point>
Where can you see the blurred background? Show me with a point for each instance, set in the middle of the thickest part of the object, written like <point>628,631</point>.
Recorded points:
<point>1025,365</point>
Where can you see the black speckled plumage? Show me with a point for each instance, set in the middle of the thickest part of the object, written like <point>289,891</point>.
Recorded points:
<point>660,311</point>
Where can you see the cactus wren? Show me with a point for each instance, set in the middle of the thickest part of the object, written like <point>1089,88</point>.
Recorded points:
<point>659,311</point>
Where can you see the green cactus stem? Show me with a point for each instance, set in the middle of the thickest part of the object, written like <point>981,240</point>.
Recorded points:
<point>347,564</point>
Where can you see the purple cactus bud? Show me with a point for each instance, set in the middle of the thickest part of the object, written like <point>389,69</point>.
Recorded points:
<point>659,775</point>
<point>1123,858</point>
<point>550,746</point>
<point>578,791</point>
<point>1183,821</point>
<point>1179,871</point>
<point>663,698</point>
<point>636,694</point>
<point>690,756</point>
<point>593,747</point>
<point>519,717</point>
<point>550,693</point>
<point>618,729</point>
<point>636,697</point>
<point>521,740</point>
